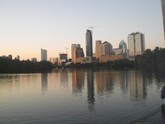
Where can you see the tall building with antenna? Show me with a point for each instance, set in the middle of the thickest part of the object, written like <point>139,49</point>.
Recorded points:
<point>89,45</point>
<point>163,13</point>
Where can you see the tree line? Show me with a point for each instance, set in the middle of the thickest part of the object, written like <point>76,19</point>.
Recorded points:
<point>118,64</point>
<point>8,65</point>
<point>151,60</point>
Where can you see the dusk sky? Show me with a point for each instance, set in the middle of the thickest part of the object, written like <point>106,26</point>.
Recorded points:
<point>26,26</point>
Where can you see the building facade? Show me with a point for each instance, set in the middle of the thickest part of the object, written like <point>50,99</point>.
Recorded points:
<point>106,49</point>
<point>98,49</point>
<point>73,46</point>
<point>78,53</point>
<point>103,49</point>
<point>117,51</point>
<point>123,46</point>
<point>43,55</point>
<point>136,44</point>
<point>89,45</point>
<point>108,58</point>
<point>63,56</point>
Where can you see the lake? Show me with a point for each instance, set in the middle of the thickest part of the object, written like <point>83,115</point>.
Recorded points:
<point>82,96</point>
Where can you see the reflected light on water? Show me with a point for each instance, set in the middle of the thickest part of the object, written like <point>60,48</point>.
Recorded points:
<point>81,96</point>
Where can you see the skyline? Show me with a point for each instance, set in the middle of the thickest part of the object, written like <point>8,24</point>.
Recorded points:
<point>27,26</point>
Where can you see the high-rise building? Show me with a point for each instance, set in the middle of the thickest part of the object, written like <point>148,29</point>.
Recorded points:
<point>136,44</point>
<point>43,55</point>
<point>103,49</point>
<point>73,46</point>
<point>106,48</point>
<point>78,52</point>
<point>89,47</point>
<point>123,46</point>
<point>98,49</point>
<point>163,13</point>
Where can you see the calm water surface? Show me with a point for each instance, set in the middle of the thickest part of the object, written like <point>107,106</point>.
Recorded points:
<point>81,97</point>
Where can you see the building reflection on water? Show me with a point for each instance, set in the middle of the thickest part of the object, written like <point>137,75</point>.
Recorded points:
<point>137,86</point>
<point>63,78</point>
<point>107,80</point>
<point>9,81</point>
<point>107,83</point>
<point>78,77</point>
<point>90,89</point>
<point>104,82</point>
<point>44,83</point>
<point>124,82</point>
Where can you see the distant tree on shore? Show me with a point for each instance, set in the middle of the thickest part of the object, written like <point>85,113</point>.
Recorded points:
<point>8,65</point>
<point>118,64</point>
<point>152,60</point>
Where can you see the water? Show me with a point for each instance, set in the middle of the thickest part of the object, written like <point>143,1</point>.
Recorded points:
<point>81,97</point>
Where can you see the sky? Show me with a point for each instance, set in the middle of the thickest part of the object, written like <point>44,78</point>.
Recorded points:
<point>26,26</point>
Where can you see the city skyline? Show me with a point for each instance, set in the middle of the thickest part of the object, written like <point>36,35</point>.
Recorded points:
<point>27,26</point>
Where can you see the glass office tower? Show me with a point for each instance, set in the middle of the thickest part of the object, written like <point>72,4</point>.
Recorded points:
<point>89,47</point>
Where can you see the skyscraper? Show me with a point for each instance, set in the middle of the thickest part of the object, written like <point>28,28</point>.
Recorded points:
<point>89,47</point>
<point>98,49</point>
<point>103,49</point>
<point>73,46</point>
<point>136,44</point>
<point>43,55</point>
<point>106,48</point>
<point>78,52</point>
<point>163,13</point>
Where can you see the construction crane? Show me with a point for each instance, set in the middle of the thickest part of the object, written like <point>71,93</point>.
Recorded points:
<point>66,50</point>
<point>91,27</point>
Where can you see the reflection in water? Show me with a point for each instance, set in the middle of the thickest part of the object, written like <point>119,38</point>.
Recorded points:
<point>9,81</point>
<point>63,77</point>
<point>90,89</point>
<point>44,83</point>
<point>78,80</point>
<point>160,75</point>
<point>163,111</point>
<point>114,94</point>
<point>124,82</point>
<point>104,81</point>
<point>137,86</point>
